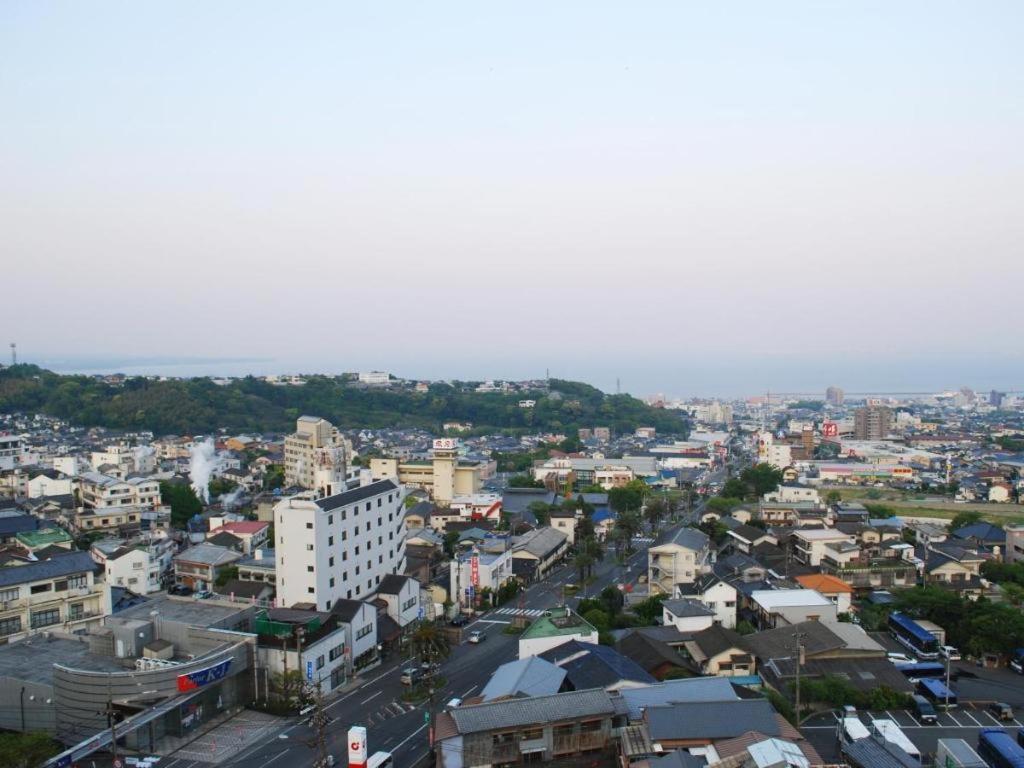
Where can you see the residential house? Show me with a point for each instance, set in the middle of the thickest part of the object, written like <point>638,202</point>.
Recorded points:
<point>778,607</point>
<point>745,537</point>
<point>809,546</point>
<point>61,592</point>
<point>254,534</point>
<point>953,566</point>
<point>590,665</point>
<point>523,678</point>
<point>717,594</point>
<point>677,557</point>
<point>687,614</point>
<point>564,519</point>
<point>402,595</point>
<point>359,619</point>
<point>510,731</point>
<point>312,642</point>
<point>536,552</point>
<point>199,567</point>
<point>140,567</point>
<point>104,493</point>
<point>835,589</point>
<point>260,567</point>
<point>719,651</point>
<point>557,625</point>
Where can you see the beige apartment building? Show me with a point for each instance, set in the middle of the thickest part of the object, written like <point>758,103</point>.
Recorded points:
<point>873,422</point>
<point>444,476</point>
<point>105,493</point>
<point>316,455</point>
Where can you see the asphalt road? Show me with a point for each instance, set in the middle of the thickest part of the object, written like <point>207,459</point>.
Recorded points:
<point>401,728</point>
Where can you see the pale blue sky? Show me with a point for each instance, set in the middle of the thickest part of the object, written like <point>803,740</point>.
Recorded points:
<point>693,197</point>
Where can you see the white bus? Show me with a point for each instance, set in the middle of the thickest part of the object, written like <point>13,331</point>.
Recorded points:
<point>379,760</point>
<point>854,729</point>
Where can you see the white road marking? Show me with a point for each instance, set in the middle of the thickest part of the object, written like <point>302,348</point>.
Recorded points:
<point>973,718</point>
<point>378,693</point>
<point>399,744</point>
<point>282,752</point>
<point>490,621</point>
<point>464,695</point>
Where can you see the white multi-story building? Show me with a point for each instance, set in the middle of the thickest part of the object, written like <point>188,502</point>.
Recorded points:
<point>14,453</point>
<point>140,567</point>
<point>375,378</point>
<point>340,546</point>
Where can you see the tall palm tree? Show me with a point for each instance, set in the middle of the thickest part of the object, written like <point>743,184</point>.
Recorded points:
<point>429,644</point>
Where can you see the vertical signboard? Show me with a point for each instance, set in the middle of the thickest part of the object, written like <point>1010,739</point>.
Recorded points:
<point>357,747</point>
<point>474,570</point>
<point>830,429</point>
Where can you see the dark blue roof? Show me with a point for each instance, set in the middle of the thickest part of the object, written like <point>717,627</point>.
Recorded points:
<point>985,532</point>
<point>596,666</point>
<point>14,524</point>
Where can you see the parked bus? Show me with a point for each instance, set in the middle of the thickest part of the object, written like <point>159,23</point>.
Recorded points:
<point>922,670</point>
<point>892,733</point>
<point>379,760</point>
<point>853,729</point>
<point>912,635</point>
<point>999,749</point>
<point>937,691</point>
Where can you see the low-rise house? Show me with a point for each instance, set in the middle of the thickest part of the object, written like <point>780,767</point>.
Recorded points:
<point>34,541</point>
<point>677,557</point>
<point>511,731</point>
<point>835,589</point>
<point>535,553</point>
<point>953,566</point>
<point>402,595</point>
<point>745,537</point>
<point>199,567</point>
<point>687,614</point>
<point>103,493</point>
<point>312,642</point>
<point>254,534</point>
<point>810,545</point>
<point>260,567</point>
<point>564,519</point>
<point>980,535</point>
<point>556,626</point>
<point>589,665</point>
<point>522,678</point>
<point>779,607</point>
<point>360,622</point>
<point>140,567</point>
<point>719,651</point>
<point>13,524</point>
<point>717,594</point>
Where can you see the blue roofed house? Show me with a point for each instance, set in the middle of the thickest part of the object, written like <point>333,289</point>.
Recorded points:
<point>983,535</point>
<point>587,665</point>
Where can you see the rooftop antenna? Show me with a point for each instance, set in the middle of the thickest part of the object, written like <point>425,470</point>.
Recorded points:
<point>14,353</point>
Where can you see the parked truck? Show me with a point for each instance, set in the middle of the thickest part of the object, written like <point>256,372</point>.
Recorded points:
<point>957,753</point>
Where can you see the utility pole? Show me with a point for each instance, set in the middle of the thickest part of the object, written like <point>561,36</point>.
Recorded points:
<point>318,722</point>
<point>947,682</point>
<point>112,720</point>
<point>799,637</point>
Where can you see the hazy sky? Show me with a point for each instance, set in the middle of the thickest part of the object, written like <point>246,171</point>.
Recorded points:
<point>694,197</point>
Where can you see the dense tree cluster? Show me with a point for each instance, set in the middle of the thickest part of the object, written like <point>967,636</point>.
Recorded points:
<point>191,406</point>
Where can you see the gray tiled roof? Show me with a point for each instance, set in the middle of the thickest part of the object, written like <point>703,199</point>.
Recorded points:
<point>687,606</point>
<point>690,538</point>
<point>694,689</point>
<point>515,713</point>
<point>711,719</point>
<point>61,565</point>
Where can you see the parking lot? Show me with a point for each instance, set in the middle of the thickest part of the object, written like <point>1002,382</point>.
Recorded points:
<point>960,723</point>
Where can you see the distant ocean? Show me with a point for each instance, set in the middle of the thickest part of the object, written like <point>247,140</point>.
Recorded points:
<point>173,367</point>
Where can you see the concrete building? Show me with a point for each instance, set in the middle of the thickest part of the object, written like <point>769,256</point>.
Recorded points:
<point>315,456</point>
<point>14,453</point>
<point>445,476</point>
<point>474,571</point>
<point>872,422</point>
<point>809,546</point>
<point>677,558</point>
<point>717,594</point>
<point>834,396</point>
<point>1014,543</point>
<point>59,593</point>
<point>104,493</point>
<point>686,614</point>
<point>536,553</point>
<point>375,378</point>
<point>339,546</point>
<point>312,642</point>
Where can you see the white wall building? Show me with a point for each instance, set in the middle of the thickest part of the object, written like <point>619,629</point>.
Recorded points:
<point>341,546</point>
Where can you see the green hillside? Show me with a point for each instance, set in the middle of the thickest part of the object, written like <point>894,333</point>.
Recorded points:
<point>190,406</point>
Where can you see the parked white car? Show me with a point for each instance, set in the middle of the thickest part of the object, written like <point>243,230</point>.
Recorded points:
<point>900,658</point>
<point>949,652</point>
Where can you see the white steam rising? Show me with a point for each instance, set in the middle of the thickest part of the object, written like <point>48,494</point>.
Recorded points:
<point>203,462</point>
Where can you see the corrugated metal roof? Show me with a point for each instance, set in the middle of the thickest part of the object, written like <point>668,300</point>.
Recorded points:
<point>514,713</point>
<point>61,565</point>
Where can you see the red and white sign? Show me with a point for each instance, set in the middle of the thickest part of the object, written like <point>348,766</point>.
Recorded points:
<point>830,429</point>
<point>474,570</point>
<point>357,747</point>
<point>446,444</point>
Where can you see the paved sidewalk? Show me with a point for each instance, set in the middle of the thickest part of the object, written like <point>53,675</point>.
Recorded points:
<point>227,738</point>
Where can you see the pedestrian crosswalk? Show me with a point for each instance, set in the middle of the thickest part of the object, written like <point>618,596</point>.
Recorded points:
<point>531,612</point>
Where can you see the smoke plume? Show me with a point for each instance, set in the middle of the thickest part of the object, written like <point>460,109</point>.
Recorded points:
<point>203,462</point>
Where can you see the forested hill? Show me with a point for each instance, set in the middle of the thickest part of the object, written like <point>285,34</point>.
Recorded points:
<point>193,406</point>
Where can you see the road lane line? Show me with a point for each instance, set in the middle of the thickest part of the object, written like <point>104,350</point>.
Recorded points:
<point>278,755</point>
<point>469,691</point>
<point>378,693</point>
<point>398,746</point>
